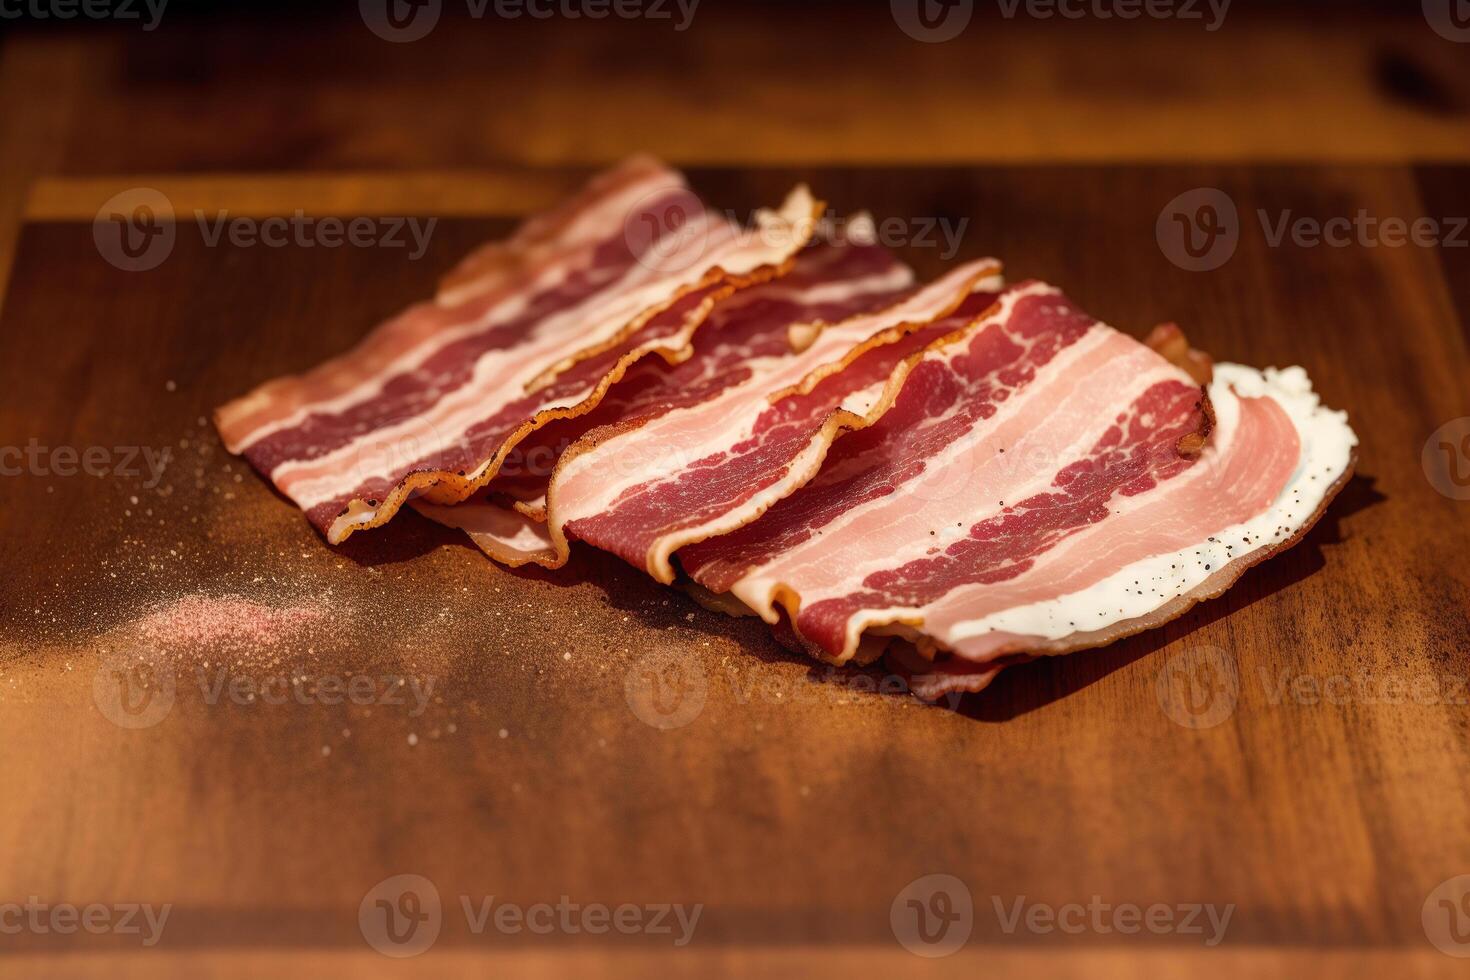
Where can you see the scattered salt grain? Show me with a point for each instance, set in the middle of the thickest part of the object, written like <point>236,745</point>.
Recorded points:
<point>197,619</point>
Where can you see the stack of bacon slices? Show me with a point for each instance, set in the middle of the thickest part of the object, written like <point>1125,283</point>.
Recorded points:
<point>957,474</point>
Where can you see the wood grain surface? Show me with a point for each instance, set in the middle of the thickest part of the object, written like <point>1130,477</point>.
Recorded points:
<point>794,805</point>
<point>282,87</point>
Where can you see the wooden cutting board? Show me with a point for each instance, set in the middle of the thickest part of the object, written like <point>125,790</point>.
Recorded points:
<point>1317,779</point>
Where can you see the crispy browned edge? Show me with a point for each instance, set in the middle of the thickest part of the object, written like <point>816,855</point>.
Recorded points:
<point>446,487</point>
<point>836,422</point>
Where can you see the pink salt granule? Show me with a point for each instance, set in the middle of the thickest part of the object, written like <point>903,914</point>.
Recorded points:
<point>200,620</point>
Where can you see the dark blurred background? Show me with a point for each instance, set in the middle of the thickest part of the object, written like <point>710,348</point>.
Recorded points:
<point>129,87</point>
<point>267,85</point>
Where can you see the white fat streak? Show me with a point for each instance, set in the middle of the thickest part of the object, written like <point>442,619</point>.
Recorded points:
<point>498,377</point>
<point>612,211</point>
<point>410,360</point>
<point>501,533</point>
<point>667,544</point>
<point>796,209</point>
<point>658,450</point>
<point>664,447</point>
<point>757,588</point>
<point>952,516</point>
<point>899,277</point>
<point>957,458</point>
<point>861,402</point>
<point>835,340</point>
<point>1042,481</point>
<point>598,218</point>
<point>1327,444</point>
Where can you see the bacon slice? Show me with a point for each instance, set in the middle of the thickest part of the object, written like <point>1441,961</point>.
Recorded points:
<point>1040,485</point>
<point>685,463</point>
<point>828,283</point>
<point>524,332</point>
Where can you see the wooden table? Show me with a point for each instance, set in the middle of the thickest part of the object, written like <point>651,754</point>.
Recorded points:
<point>793,806</point>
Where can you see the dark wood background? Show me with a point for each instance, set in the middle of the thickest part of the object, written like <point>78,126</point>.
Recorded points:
<point>794,808</point>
